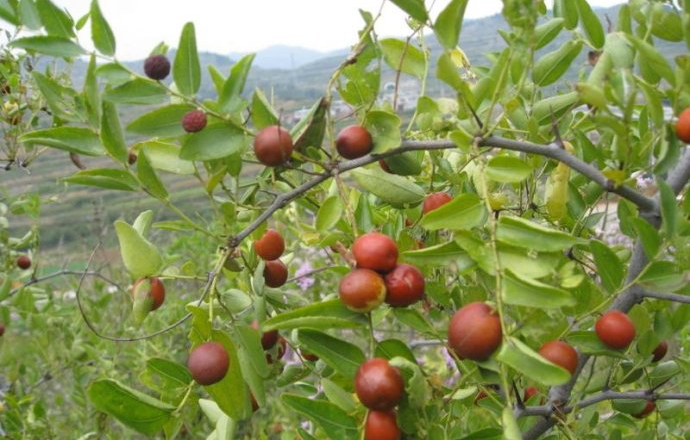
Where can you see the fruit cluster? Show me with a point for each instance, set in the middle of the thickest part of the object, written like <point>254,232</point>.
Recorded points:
<point>380,387</point>
<point>269,248</point>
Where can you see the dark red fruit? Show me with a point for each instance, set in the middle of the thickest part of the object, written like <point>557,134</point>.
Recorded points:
<point>273,146</point>
<point>480,396</point>
<point>280,351</point>
<point>475,332</point>
<point>660,351</point>
<point>381,425</point>
<point>379,385</point>
<point>275,273</point>
<point>529,393</point>
<point>384,166</point>
<point>375,251</point>
<point>434,201</point>
<point>270,246</point>
<point>615,329</point>
<point>131,158</point>
<point>404,285</point>
<point>362,290</point>
<point>268,339</point>
<point>561,354</point>
<point>307,356</point>
<point>194,121</point>
<point>208,363</point>
<point>156,290</point>
<point>648,409</point>
<point>23,262</point>
<point>353,142</point>
<point>157,67</point>
<point>683,126</point>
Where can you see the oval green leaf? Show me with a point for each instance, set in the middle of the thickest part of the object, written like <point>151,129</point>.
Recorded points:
<point>396,190</point>
<point>73,139</point>
<point>465,211</point>
<point>523,359</point>
<point>213,142</point>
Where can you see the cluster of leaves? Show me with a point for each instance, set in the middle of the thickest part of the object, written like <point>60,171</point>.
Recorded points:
<point>520,232</point>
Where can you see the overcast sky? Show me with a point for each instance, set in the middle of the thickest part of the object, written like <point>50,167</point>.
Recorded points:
<point>225,26</point>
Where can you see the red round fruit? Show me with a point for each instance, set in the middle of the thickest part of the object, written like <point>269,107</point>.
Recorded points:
<point>275,273</point>
<point>208,363</point>
<point>379,385</point>
<point>475,332</point>
<point>194,121</point>
<point>157,67</point>
<point>375,251</point>
<point>660,351</point>
<point>268,339</point>
<point>381,425</point>
<point>362,290</point>
<point>434,201</point>
<point>683,126</point>
<point>280,351</point>
<point>273,146</point>
<point>384,166</point>
<point>561,354</point>
<point>648,409</point>
<point>270,246</point>
<point>353,142</point>
<point>157,293</point>
<point>529,393</point>
<point>615,329</point>
<point>23,262</point>
<point>404,285</point>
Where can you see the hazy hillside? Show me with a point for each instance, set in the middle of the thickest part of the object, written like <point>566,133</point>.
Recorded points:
<point>286,57</point>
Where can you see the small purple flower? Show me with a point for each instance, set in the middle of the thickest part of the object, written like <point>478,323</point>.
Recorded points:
<point>304,282</point>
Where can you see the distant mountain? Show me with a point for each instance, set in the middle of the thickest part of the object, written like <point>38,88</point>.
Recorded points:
<point>286,57</point>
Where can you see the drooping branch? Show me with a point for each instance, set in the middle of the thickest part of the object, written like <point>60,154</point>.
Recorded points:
<point>61,273</point>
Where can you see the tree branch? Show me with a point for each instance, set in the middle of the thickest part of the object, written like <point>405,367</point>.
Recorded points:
<point>666,296</point>
<point>63,273</point>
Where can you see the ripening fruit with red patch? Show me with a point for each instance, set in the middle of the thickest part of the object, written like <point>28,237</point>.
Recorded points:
<point>381,425</point>
<point>208,363</point>
<point>273,146</point>
<point>475,332</point>
<point>404,285</point>
<point>648,409</point>
<point>660,351</point>
<point>155,291</point>
<point>307,356</point>
<point>268,339</point>
<point>379,385</point>
<point>279,351</point>
<point>362,290</point>
<point>194,121</point>
<point>375,251</point>
<point>157,67</point>
<point>23,262</point>
<point>270,246</point>
<point>384,166</point>
<point>615,329</point>
<point>561,354</point>
<point>683,126</point>
<point>435,201</point>
<point>529,393</point>
<point>275,273</point>
<point>353,142</point>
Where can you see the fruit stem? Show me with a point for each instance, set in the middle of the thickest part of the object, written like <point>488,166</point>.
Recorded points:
<point>177,410</point>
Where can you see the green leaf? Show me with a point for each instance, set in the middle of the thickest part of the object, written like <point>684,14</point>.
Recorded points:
<point>406,164</point>
<point>385,130</point>
<point>552,66</point>
<point>523,359</point>
<point>134,409</point>
<point>414,8</point>
<point>141,258</point>
<point>166,157</point>
<point>263,113</point>
<point>163,121</point>
<point>648,236</point>
<point>149,178</point>
<point>170,371</point>
<point>101,33</point>
<point>663,372</point>
<point>139,91</point>
<point>449,23</point>
<point>591,24</point>
<point>652,59</point>
<point>250,342</point>
<point>396,190</point>
<point>554,106</point>
<point>91,93</point>
<point>230,99</point>
<point>8,12</point>
<point>403,56</point>
<point>73,139</point>
<point>449,72</point>
<point>337,353</point>
<point>55,20</point>
<point>508,169</point>
<point>609,266</point>
<point>111,132</point>
<point>417,389</point>
<point>320,315</point>
<point>521,232</point>
<point>669,208</point>
<point>465,211</point>
<point>28,14</point>
<point>338,396</point>
<point>115,74</point>
<point>186,69</point>
<point>664,276</point>
<point>589,343</point>
<point>310,130</point>
<point>335,422</point>
<point>49,45</point>
<point>440,255</point>
<point>666,23</point>
<point>391,348</point>
<point>522,291</point>
<point>413,319</point>
<point>511,430</point>
<point>566,9</point>
<point>107,178</point>
<point>545,33</point>
<point>230,393</point>
<point>329,214</point>
<point>213,142</point>
<point>143,222</point>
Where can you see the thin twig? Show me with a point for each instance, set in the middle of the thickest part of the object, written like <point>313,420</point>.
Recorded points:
<point>63,273</point>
